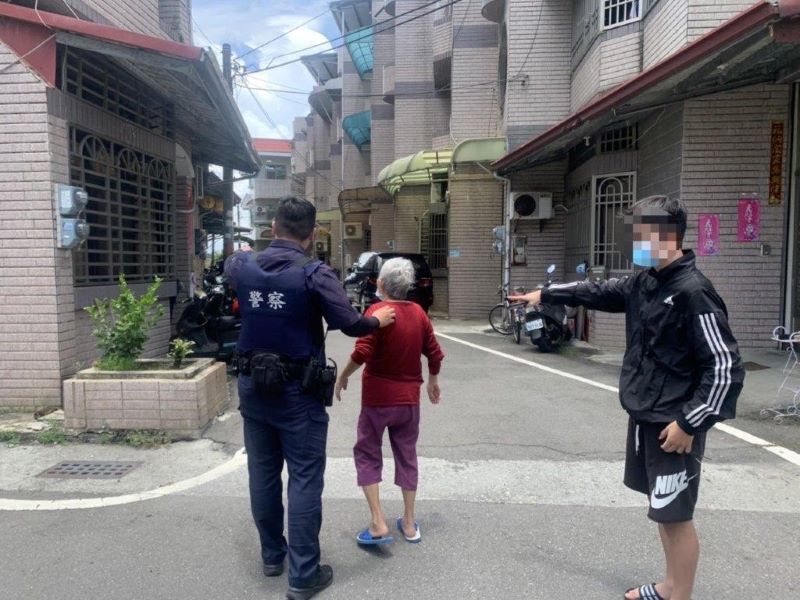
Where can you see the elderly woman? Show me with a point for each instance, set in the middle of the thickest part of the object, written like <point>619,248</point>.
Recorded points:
<point>390,395</point>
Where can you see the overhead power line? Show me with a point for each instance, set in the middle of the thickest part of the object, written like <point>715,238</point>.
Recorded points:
<point>294,152</point>
<point>285,33</point>
<point>430,93</point>
<point>344,36</point>
<point>377,30</point>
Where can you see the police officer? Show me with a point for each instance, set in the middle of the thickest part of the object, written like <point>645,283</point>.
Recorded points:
<point>283,297</point>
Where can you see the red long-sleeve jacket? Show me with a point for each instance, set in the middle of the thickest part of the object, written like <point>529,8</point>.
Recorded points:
<point>393,372</point>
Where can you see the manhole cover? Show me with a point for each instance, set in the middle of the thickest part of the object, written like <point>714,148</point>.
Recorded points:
<point>90,469</point>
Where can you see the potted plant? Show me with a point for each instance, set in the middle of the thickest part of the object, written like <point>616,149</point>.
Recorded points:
<point>124,391</point>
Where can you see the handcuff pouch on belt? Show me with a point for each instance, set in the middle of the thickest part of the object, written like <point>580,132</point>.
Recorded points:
<point>319,380</point>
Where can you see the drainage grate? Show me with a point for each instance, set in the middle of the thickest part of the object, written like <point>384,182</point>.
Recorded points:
<point>90,469</point>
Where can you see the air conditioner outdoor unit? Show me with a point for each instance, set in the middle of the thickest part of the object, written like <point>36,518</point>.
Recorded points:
<point>532,205</point>
<point>321,246</point>
<point>353,231</point>
<point>261,214</point>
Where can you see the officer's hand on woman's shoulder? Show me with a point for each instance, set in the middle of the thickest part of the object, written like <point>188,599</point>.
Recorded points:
<point>385,316</point>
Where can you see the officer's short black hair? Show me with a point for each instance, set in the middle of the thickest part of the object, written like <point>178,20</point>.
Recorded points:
<point>295,218</point>
<point>661,209</point>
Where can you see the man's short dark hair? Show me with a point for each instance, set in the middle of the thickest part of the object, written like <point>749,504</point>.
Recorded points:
<point>295,218</point>
<point>661,209</point>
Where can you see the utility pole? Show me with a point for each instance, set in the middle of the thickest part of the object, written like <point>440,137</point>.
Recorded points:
<point>227,172</point>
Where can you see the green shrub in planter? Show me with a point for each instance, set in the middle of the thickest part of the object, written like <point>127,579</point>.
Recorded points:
<point>178,351</point>
<point>122,325</point>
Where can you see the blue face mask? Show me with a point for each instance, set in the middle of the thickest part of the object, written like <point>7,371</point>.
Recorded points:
<point>643,255</point>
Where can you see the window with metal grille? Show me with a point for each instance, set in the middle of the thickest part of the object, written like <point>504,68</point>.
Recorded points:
<point>105,85</point>
<point>619,139</point>
<point>620,12</point>
<point>433,239</point>
<point>578,232</point>
<point>272,171</point>
<point>611,195</point>
<point>130,212</point>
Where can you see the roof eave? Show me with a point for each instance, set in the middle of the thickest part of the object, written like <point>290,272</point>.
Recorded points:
<point>756,16</point>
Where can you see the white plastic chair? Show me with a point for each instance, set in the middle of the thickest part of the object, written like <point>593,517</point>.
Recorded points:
<point>791,343</point>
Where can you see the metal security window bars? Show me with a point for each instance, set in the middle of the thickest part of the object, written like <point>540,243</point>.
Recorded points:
<point>433,239</point>
<point>101,83</point>
<point>619,139</point>
<point>611,195</point>
<point>130,212</point>
<point>620,12</point>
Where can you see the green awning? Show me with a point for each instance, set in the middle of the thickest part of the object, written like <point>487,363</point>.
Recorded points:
<point>422,168</point>
<point>358,128</point>
<point>480,150</point>
<point>361,45</point>
<point>361,200</point>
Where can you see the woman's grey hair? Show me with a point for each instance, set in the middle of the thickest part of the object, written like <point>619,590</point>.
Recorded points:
<point>397,275</point>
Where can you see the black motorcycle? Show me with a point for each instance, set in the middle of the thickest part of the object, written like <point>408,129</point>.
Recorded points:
<point>212,320</point>
<point>546,324</point>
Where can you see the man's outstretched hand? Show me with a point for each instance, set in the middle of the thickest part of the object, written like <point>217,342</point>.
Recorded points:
<point>385,315</point>
<point>531,299</point>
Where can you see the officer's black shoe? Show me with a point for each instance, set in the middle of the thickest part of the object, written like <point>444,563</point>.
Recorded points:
<point>323,579</point>
<point>273,570</point>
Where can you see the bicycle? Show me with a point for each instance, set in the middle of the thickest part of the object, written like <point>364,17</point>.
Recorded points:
<point>507,318</point>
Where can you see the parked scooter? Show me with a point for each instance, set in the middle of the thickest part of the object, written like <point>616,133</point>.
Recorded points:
<point>546,324</point>
<point>212,320</point>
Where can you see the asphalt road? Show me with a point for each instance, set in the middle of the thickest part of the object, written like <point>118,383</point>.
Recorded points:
<point>520,496</point>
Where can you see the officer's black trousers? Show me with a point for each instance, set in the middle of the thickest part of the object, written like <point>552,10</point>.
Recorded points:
<point>292,428</point>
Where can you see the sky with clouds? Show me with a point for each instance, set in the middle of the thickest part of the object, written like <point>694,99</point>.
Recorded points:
<point>246,24</point>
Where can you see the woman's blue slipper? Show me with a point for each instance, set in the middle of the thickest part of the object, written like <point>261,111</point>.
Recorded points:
<point>416,539</point>
<point>365,538</point>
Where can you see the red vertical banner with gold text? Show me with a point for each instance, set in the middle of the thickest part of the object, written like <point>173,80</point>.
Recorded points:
<point>776,164</point>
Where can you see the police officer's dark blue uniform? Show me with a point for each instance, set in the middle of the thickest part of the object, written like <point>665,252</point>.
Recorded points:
<point>283,298</point>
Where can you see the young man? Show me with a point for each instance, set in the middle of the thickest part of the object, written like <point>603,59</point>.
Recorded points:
<point>681,374</point>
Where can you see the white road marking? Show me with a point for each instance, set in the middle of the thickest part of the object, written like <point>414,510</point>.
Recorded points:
<point>784,453</point>
<point>239,459</point>
<point>538,482</point>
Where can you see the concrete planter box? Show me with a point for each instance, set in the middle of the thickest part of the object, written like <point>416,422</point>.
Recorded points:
<point>181,401</point>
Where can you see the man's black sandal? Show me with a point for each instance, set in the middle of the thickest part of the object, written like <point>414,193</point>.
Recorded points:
<point>647,592</point>
<point>322,579</point>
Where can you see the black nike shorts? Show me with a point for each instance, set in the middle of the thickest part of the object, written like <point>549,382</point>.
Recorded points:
<point>671,481</point>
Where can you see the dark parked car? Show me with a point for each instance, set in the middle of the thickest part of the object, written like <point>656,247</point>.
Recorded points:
<point>362,279</point>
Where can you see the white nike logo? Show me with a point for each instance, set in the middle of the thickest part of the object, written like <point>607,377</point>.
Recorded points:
<point>667,488</point>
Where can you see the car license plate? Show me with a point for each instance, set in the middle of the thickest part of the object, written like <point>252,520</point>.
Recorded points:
<point>534,325</point>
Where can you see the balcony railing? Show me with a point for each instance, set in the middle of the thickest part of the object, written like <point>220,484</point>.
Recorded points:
<point>388,82</point>
<point>272,188</point>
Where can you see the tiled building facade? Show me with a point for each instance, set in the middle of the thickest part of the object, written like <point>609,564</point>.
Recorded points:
<point>133,147</point>
<point>598,104</point>
<point>709,140</point>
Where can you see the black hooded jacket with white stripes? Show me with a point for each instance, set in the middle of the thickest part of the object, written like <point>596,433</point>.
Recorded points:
<point>681,362</point>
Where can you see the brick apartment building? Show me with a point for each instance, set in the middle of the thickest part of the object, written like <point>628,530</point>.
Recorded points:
<point>399,140</point>
<point>273,182</point>
<point>593,104</point>
<point>689,98</point>
<point>112,98</point>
